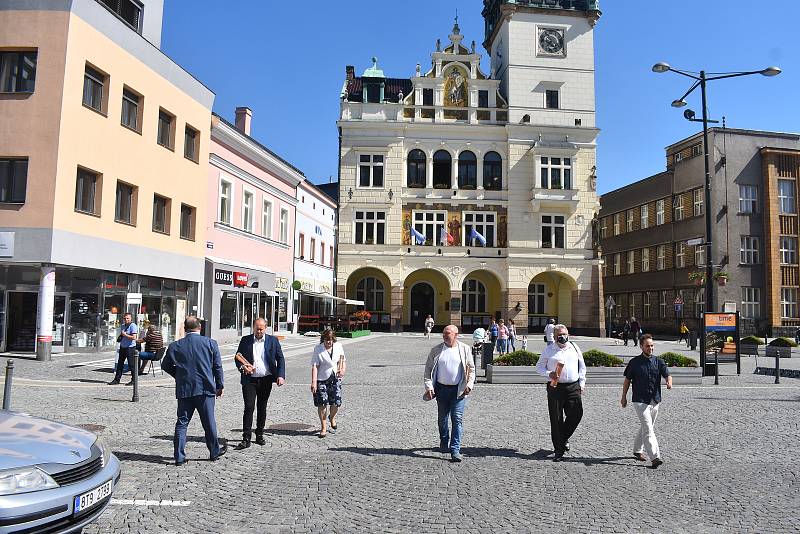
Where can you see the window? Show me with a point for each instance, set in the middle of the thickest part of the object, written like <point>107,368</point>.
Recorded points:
<point>301,246</point>
<point>166,137</point>
<point>748,250</point>
<point>617,223</point>
<point>322,253</point>
<point>629,221</point>
<point>129,11</point>
<point>228,304</point>
<point>225,201</point>
<point>631,304</point>
<point>312,250</point>
<point>94,89</point>
<point>483,223</point>
<point>370,290</point>
<point>786,197</point>
<point>552,231</point>
<point>697,150</point>
<point>266,220</point>
<point>247,211</point>
<point>748,198</point>
<point>13,180</point>
<point>788,250</point>
<point>662,304</point>
<point>125,207</point>
<point>191,143</point>
<point>370,228</point>
<point>131,104</point>
<point>680,255</point>
<point>483,98</point>
<point>188,214</point>
<point>788,303</point>
<point>430,224</point>
<point>370,171</point>
<point>604,227</point>
<point>751,302</point>
<point>697,201</point>
<point>467,170</point>
<point>87,185</point>
<point>473,296</point>
<point>330,255</point>
<point>659,212</point>
<point>415,169</point>
<point>551,98</point>
<point>700,255</point>
<point>646,304</point>
<point>442,164</point>
<point>644,215</point>
<point>661,253</point>
<point>536,299</point>
<point>617,264</point>
<point>161,214</point>
<point>699,303</point>
<point>677,206</point>
<point>284,226</point>
<point>556,173</point>
<point>631,262</point>
<point>645,260</point>
<point>427,97</point>
<point>492,171</point>
<point>17,72</point>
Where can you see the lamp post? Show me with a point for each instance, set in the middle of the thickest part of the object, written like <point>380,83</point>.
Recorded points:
<point>701,79</point>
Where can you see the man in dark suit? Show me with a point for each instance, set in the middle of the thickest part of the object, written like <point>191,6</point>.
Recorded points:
<point>196,365</point>
<point>260,360</point>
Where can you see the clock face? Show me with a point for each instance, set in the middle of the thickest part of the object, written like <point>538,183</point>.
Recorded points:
<point>551,41</point>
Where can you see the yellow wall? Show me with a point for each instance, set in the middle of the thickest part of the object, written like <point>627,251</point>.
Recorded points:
<point>360,274</point>
<point>441,288</point>
<point>560,304</point>
<point>494,300</point>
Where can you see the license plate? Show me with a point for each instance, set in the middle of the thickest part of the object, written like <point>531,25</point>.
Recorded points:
<point>90,498</point>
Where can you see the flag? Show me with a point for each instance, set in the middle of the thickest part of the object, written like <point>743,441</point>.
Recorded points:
<point>445,239</point>
<point>418,237</point>
<point>475,235</point>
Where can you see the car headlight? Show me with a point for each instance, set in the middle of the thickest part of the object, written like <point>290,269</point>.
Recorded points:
<point>25,480</point>
<point>105,450</point>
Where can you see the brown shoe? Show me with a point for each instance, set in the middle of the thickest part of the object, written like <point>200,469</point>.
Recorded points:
<point>639,456</point>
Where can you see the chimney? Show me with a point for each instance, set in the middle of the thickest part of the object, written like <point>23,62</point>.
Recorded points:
<point>350,71</point>
<point>244,116</point>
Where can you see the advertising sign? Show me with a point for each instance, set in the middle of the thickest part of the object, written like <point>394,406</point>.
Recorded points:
<point>240,279</point>
<point>719,321</point>
<point>224,278</point>
<point>719,341</point>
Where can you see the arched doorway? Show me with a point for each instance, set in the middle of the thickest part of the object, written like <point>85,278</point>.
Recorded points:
<point>422,304</point>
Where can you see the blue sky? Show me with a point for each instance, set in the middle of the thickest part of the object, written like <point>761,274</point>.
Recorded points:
<point>286,61</point>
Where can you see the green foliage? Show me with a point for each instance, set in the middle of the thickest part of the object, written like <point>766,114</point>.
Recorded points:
<point>598,358</point>
<point>673,359</point>
<point>517,358</point>
<point>783,342</point>
<point>752,340</point>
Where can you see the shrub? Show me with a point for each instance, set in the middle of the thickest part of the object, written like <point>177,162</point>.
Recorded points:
<point>782,342</point>
<point>752,340</point>
<point>517,358</point>
<point>598,358</point>
<point>673,359</point>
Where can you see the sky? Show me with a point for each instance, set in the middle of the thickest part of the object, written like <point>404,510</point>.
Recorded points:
<point>286,61</point>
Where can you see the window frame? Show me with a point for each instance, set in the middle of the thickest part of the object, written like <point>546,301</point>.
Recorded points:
<point>132,200</point>
<point>698,202</point>
<point>789,303</point>
<point>300,250</point>
<point>617,264</point>
<point>700,255</point>
<point>547,168</point>
<point>166,214</point>
<point>420,222</point>
<point>479,226</point>
<point>312,249</point>
<point>631,262</point>
<point>194,155</point>
<point>787,255</point>
<point>13,184</point>
<point>371,165</point>
<point>680,255</point>
<point>548,99</point>
<point>230,200</point>
<point>469,168</point>
<point>629,218</point>
<point>371,295</point>
<point>417,166</point>
<point>248,210</point>
<point>96,185</point>
<point>645,260</point>
<point>190,235</point>
<point>95,76</point>
<point>677,208</point>
<point>284,229</point>
<point>785,201</point>
<point>661,257</point>
<point>170,142</point>
<point>116,11</point>
<point>555,226</point>
<point>751,302</point>
<point>617,223</point>
<point>128,96</point>
<point>749,250</point>
<point>266,218</point>
<point>488,162</point>
<point>18,77</point>
<point>474,300</point>
<point>374,221</point>
<point>745,201</point>
<point>644,216</point>
<point>659,212</point>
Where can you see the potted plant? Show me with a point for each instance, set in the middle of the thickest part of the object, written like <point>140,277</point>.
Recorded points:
<point>721,277</point>
<point>699,277</point>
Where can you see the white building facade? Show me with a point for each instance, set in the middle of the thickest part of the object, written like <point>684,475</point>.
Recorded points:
<point>470,196</point>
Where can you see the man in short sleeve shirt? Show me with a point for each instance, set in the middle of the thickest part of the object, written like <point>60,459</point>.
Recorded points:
<point>645,372</point>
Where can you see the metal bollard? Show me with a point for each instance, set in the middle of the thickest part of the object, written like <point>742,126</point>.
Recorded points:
<point>7,387</point>
<point>716,367</point>
<point>135,376</point>
<point>777,366</point>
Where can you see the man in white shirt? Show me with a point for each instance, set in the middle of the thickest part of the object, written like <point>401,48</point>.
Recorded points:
<point>564,400</point>
<point>449,378</point>
<point>548,331</point>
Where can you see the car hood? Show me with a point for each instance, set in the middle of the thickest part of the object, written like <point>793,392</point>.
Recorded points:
<point>27,440</point>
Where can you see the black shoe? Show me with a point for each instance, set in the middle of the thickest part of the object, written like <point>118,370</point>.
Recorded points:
<point>223,448</point>
<point>129,383</point>
<point>260,440</point>
<point>245,443</point>
<point>566,446</point>
<point>656,463</point>
<point>443,446</point>
<point>114,382</point>
<point>559,457</point>
<point>178,464</point>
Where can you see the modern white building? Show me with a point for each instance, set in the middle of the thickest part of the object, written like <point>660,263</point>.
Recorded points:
<point>469,195</point>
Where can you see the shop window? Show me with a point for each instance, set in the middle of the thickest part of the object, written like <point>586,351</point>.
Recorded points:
<point>227,309</point>
<point>83,320</point>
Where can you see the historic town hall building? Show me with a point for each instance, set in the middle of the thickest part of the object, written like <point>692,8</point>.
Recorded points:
<point>468,195</point>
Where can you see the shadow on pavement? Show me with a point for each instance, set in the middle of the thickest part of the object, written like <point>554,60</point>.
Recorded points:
<point>472,452</point>
<point>285,429</point>
<point>147,458</point>
<point>613,460</point>
<point>411,453</point>
<point>111,400</point>
<point>88,380</point>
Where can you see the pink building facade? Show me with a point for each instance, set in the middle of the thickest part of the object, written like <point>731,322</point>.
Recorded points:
<point>250,233</point>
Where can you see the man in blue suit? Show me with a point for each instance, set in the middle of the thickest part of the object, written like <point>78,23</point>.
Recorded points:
<point>196,365</point>
<point>260,360</point>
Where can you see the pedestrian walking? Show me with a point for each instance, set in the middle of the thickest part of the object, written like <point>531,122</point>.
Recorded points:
<point>644,372</point>
<point>549,330</point>
<point>626,331</point>
<point>502,340</point>
<point>428,326</point>
<point>562,362</point>
<point>512,335</point>
<point>636,330</point>
<point>494,332</point>
<point>327,371</point>
<point>524,342</point>
<point>683,333</point>
<point>153,342</point>
<point>196,365</point>
<point>449,378</point>
<point>128,335</point>
<point>259,359</point>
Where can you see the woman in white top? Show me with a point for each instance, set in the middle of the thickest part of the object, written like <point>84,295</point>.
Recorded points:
<point>327,370</point>
<point>428,326</point>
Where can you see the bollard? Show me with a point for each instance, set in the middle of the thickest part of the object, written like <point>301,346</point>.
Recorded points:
<point>135,376</point>
<point>7,387</point>
<point>716,367</point>
<point>777,366</point>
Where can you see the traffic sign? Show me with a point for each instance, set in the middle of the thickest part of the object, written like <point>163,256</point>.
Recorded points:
<point>694,242</point>
<point>610,302</point>
<point>678,300</point>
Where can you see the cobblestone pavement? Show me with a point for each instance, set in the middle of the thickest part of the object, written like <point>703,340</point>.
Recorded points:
<point>730,453</point>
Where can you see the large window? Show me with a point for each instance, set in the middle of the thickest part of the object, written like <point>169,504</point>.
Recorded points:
<point>646,310</point>
<point>786,196</point>
<point>788,250</point>
<point>415,169</point>
<point>225,201</point>
<point>677,206</point>
<point>536,299</point>
<point>617,264</point>
<point>617,223</point>
<point>631,268</point>
<point>492,171</point>
<point>473,296</point>
<point>370,170</point>
<point>680,255</point>
<point>191,143</point>
<point>556,173</point>
<point>129,11</point>
<point>699,302</point>
<point>87,185</point>
<point>370,228</point>
<point>789,303</point>
<point>13,180</point>
<point>661,254</point>
<point>645,259</point>
<point>161,214</point>
<point>467,170</point>
<point>697,202</point>
<point>266,220</point>
<point>483,223</point>
<point>751,302</point>
<point>284,226</point>
<point>17,72</point>
<point>370,290</point>
<point>700,255</point>
<point>662,304</point>
<point>442,170</point>
<point>166,129</point>
<point>125,207</point>
<point>659,211</point>
<point>430,225</point>
<point>644,215</point>
<point>748,250</point>
<point>131,105</point>
<point>748,198</point>
<point>247,211</point>
<point>94,83</point>
<point>629,217</point>
<point>187,222</point>
<point>552,231</point>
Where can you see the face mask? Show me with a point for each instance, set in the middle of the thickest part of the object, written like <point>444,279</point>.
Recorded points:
<point>562,339</point>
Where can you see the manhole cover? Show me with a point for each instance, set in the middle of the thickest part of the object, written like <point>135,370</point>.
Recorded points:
<point>290,426</point>
<point>92,428</point>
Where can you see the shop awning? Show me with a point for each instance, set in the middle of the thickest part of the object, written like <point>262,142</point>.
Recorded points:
<point>337,299</point>
<point>271,293</point>
<point>353,302</point>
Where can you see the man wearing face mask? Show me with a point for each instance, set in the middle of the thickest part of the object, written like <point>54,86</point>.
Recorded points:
<point>564,399</point>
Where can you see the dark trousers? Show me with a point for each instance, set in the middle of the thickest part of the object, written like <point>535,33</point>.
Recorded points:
<point>566,410</point>
<point>204,404</point>
<point>256,394</point>
<point>124,354</point>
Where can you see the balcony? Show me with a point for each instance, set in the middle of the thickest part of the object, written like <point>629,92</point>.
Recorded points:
<point>388,111</point>
<point>455,196</point>
<point>559,199</point>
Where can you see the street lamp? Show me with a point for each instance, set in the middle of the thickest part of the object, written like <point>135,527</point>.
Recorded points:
<point>701,79</point>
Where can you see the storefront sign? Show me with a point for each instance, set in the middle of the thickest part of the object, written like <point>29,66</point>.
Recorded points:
<point>224,278</point>
<point>281,284</point>
<point>240,279</point>
<point>719,321</point>
<point>325,288</point>
<point>306,285</point>
<point>6,244</point>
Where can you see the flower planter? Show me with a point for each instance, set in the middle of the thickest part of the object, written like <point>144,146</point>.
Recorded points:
<point>501,374</point>
<point>698,282</point>
<point>722,280</point>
